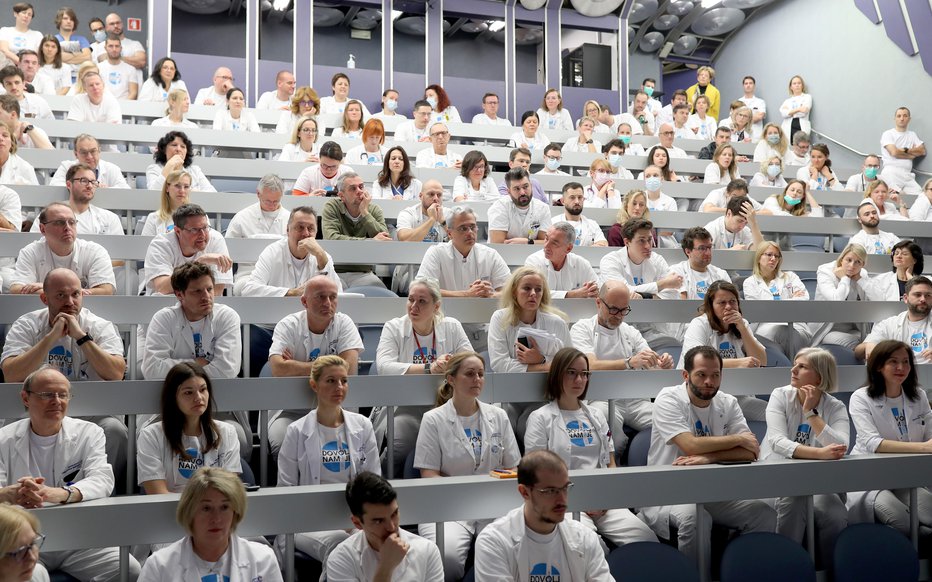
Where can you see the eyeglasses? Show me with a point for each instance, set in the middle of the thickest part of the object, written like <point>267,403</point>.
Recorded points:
<point>197,230</point>
<point>19,554</point>
<point>307,104</point>
<point>573,374</point>
<point>63,396</point>
<point>612,310</point>
<point>667,133</point>
<point>62,223</point>
<point>308,130</point>
<point>772,256</point>
<point>440,134</point>
<point>329,167</point>
<point>86,181</point>
<point>226,77</point>
<point>554,491</point>
<point>92,152</point>
<point>703,249</point>
<point>464,228</point>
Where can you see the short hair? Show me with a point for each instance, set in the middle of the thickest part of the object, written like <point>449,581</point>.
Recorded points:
<point>173,420</point>
<point>181,214</point>
<point>648,80</point>
<point>317,368</point>
<point>903,108</point>
<point>43,214</point>
<point>514,153</point>
<point>11,71</point>
<point>746,77</point>
<point>27,51</point>
<point>529,114</point>
<point>689,359</point>
<point>342,178</point>
<point>515,174</point>
<point>301,210</point>
<point>630,228</point>
<point>571,186</point>
<point>367,487</point>
<point>9,104</point>
<point>271,182</point>
<point>336,77</point>
<point>22,7</point>
<point>456,213</point>
<point>332,150</point>
<point>678,93</point>
<point>82,137</point>
<point>917,280</point>
<point>221,480</point>
<point>93,20</point>
<point>800,137</point>
<point>13,519</point>
<point>558,367</point>
<point>184,273</point>
<point>373,127</point>
<point>914,250</point>
<point>876,384</point>
<point>855,249</point>
<point>421,103</point>
<point>280,74</point>
<point>554,145</point>
<point>487,95</point>
<point>735,204</point>
<point>696,233</point>
<point>680,107</point>
<point>614,143</point>
<point>822,363</point>
<point>568,230</point>
<point>534,461</point>
<point>79,167</point>
<point>706,69</point>
<point>721,128</point>
<point>161,157</point>
<point>471,160</point>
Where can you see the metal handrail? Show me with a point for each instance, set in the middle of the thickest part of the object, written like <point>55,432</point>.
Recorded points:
<point>862,154</point>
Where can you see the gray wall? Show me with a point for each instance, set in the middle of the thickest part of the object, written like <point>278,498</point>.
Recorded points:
<point>856,75</point>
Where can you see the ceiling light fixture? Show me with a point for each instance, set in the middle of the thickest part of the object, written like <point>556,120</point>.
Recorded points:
<point>496,25</point>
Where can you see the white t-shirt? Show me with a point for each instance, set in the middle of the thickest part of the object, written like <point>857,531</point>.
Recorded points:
<point>560,121</point>
<point>427,158</point>
<point>354,559</point>
<point>334,454</point>
<point>170,338</point>
<point>47,81</point>
<point>696,283</point>
<point>209,93</point>
<point>504,215</point>
<point>488,191</point>
<point>88,260</point>
<point>65,356</point>
<point>117,78</point>
<point>156,461</point>
<point>876,244</point>
<point>31,39</point>
<point>94,220</point>
<point>538,142</point>
<point>900,140</point>
<point>456,272</point>
<point>916,334</point>
<point>292,333</point>
<point>407,131</point>
<point>590,337</point>
<point>483,119</point>
<point>546,556</point>
<point>705,128</point>
<point>270,100</point>
<point>575,273</point>
<point>311,178</point>
<point>723,239</point>
<point>359,155</point>
<point>588,231</point>
<point>164,254</point>
<point>413,217</point>
<point>700,333</point>
<point>34,106</point>
<point>224,121</point>
<point>152,92</point>
<point>107,111</point>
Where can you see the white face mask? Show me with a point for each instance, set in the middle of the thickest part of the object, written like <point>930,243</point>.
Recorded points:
<point>552,164</point>
<point>614,160</point>
<point>601,178</point>
<point>773,171</point>
<point>433,102</point>
<point>652,183</point>
<point>391,104</point>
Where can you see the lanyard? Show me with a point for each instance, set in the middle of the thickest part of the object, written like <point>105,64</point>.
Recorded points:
<point>428,357</point>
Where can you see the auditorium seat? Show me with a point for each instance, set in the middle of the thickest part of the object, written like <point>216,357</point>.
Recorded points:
<point>766,557</point>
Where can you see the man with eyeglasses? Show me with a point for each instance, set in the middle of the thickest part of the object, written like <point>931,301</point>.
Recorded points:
<point>216,94</point>
<point>535,541</point>
<point>519,218</point>
<point>798,154</point>
<point>437,155</point>
<point>96,104</point>
<point>265,219</point>
<point>694,423</point>
<point>61,247</point>
<point>191,240</point>
<point>612,344</point>
<point>553,155</point>
<point>870,170</point>
<point>666,133</point>
<point>489,115</point>
<point>87,152</point>
<point>280,98</point>
<point>321,179</point>
<point>82,184</point>
<point>416,129</point>
<point>352,216</point>
<point>697,270</point>
<point>50,458</point>
<point>425,222</point>
<point>568,274</point>
<point>588,231</point>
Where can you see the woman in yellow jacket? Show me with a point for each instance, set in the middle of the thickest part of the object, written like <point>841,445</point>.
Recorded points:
<point>704,86</point>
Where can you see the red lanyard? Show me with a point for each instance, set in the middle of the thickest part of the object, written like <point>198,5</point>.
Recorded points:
<point>429,357</point>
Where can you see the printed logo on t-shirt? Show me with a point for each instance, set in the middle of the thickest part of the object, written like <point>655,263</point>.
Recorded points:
<point>475,439</point>
<point>19,42</point>
<point>217,578</point>
<point>803,434</point>
<point>544,572</point>
<point>115,78</point>
<point>727,350</point>
<point>900,418</point>
<point>335,456</point>
<point>433,235</point>
<point>440,164</point>
<point>918,341</point>
<point>775,292</point>
<point>580,433</point>
<point>187,467</point>
<point>702,430</point>
<point>372,159</point>
<point>879,248</point>
<point>701,287</point>
<point>424,356</point>
<point>62,360</point>
<point>199,346</point>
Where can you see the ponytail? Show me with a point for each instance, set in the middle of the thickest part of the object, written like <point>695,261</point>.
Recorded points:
<point>444,393</point>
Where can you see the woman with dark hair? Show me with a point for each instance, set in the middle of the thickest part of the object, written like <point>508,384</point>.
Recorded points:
<point>331,108</point>
<point>176,152</point>
<point>395,181</point>
<point>819,174</point>
<point>463,436</point>
<point>796,200</point>
<point>474,181</point>
<point>552,113</point>
<point>372,149</point>
<point>164,79</point>
<point>529,137</point>
<point>51,64</point>
<point>443,110</point>
<point>891,414</point>
<point>236,117</point>
<point>187,438</point>
<point>724,166</point>
<point>659,156</point>
<point>304,103</point>
<point>581,436</point>
<point>907,262</point>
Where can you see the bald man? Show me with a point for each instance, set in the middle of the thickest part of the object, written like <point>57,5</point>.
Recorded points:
<point>216,94</point>
<point>425,222</point>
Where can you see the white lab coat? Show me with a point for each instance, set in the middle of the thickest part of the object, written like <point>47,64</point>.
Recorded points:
<point>274,273</point>
<point>396,345</point>
<point>456,272</point>
<point>299,459</point>
<point>199,181</point>
<point>575,273</point>
<point>883,287</point>
<point>896,327</point>
<point>547,431</point>
<point>107,172</point>
<point>354,560</point>
<point>794,102</point>
<point>442,444</point>
<point>502,339</point>
<point>250,562</point>
<point>16,170</point>
<point>785,415</point>
<point>502,556</point>
<point>874,423</point>
<point>80,457</point>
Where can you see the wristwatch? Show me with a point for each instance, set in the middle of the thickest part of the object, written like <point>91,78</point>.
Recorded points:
<point>905,150</point>
<point>813,412</point>
<point>530,241</point>
<point>87,338</point>
<point>28,128</point>
<point>427,367</point>
<point>70,491</point>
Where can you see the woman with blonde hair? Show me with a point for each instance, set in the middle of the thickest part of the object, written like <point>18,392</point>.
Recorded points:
<point>770,174</point>
<point>796,108</point>
<point>740,124</point>
<point>773,142</point>
<point>303,145</point>
<point>724,166</point>
<point>20,541</point>
<point>371,151</point>
<point>83,69</point>
<point>304,103</point>
<point>352,121</point>
<point>634,205</point>
<point>889,204</point>
<point>844,279</point>
<point>795,200</point>
<point>178,104</point>
<point>591,108</point>
<point>175,192</point>
<point>552,114</point>
<point>463,436</point>
<point>704,86</point>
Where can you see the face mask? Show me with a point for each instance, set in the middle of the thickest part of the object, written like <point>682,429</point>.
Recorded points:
<point>773,138</point>
<point>652,183</point>
<point>773,171</point>
<point>870,173</point>
<point>601,179</point>
<point>100,35</point>
<point>791,201</point>
<point>649,91</point>
<point>433,102</point>
<point>625,139</point>
<point>553,164</point>
<point>391,104</point>
<point>614,160</point>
